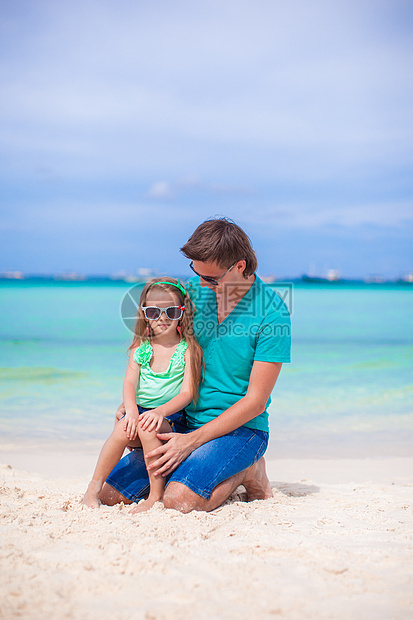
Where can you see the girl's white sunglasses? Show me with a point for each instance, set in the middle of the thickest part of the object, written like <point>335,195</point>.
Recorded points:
<point>152,313</point>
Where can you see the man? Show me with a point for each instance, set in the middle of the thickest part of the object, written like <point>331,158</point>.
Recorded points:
<point>244,330</point>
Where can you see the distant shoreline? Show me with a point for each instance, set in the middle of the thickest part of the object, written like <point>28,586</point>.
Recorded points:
<point>132,280</point>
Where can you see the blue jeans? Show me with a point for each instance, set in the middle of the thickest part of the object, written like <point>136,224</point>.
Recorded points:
<point>202,471</point>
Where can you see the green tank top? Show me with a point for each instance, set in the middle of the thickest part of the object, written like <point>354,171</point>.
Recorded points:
<point>157,388</point>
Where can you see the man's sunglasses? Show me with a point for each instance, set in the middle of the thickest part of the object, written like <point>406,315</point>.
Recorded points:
<point>152,313</point>
<point>213,281</point>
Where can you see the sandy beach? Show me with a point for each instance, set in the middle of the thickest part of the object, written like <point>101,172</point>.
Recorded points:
<point>335,542</point>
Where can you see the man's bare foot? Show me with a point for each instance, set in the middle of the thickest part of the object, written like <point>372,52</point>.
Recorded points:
<point>91,497</point>
<point>256,482</point>
<point>145,505</point>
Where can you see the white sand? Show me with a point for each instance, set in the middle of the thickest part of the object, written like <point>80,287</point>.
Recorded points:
<point>335,542</point>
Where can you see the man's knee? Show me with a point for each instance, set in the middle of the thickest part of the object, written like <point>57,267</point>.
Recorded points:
<point>110,496</point>
<point>179,497</point>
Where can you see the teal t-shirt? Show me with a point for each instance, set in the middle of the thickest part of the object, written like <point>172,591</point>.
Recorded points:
<point>257,329</point>
<point>157,388</point>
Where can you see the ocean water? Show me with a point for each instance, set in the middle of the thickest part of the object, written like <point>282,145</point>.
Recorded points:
<point>347,392</point>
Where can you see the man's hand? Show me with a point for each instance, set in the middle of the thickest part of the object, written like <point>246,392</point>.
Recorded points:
<point>171,454</point>
<point>120,412</point>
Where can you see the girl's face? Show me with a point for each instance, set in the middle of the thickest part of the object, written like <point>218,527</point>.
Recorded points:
<point>162,299</point>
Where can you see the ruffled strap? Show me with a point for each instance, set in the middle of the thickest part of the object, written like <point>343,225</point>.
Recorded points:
<point>179,354</point>
<point>143,353</point>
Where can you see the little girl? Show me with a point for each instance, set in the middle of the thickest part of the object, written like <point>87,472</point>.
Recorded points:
<point>162,378</point>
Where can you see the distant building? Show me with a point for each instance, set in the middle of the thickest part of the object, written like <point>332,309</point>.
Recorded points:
<point>333,275</point>
<point>268,279</point>
<point>12,275</point>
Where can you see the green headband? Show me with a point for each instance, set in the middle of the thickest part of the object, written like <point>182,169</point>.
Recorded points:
<point>179,286</point>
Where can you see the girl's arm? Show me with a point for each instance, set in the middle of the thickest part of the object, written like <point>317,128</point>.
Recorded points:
<point>130,385</point>
<point>154,418</point>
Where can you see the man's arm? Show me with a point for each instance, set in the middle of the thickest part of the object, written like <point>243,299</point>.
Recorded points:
<point>178,447</point>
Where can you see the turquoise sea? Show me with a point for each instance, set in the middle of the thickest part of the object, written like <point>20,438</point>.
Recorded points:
<point>348,391</point>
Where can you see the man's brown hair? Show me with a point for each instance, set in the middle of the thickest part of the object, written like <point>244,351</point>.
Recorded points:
<point>221,241</point>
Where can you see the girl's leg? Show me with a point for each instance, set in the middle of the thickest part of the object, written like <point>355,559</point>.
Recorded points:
<point>149,442</point>
<point>110,455</point>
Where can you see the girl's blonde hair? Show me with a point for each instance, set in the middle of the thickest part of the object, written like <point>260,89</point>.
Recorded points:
<point>185,323</point>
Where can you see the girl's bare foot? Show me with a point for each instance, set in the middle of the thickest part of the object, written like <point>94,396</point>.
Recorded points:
<point>256,482</point>
<point>91,497</point>
<point>144,505</point>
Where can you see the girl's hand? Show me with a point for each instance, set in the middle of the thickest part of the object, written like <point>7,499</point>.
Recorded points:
<point>151,420</point>
<point>131,421</point>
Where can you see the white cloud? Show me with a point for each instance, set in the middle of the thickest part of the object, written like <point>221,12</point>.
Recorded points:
<point>190,185</point>
<point>160,189</point>
<point>316,216</point>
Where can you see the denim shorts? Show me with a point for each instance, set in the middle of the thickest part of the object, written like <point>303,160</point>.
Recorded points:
<point>202,471</point>
<point>176,420</point>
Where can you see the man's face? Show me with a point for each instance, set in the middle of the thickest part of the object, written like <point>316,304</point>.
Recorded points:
<point>212,270</point>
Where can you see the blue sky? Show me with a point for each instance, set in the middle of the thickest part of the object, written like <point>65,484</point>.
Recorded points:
<point>125,124</point>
